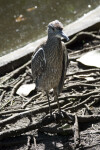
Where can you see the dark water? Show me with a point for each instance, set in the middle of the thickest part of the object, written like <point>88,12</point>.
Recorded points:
<point>23,21</point>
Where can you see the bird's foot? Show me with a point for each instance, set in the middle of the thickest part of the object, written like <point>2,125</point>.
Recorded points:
<point>57,114</point>
<point>63,115</point>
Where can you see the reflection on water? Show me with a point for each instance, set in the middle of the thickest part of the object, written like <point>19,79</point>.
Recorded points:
<point>24,21</point>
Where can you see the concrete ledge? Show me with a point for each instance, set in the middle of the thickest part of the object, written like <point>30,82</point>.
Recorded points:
<point>90,21</point>
<point>17,58</point>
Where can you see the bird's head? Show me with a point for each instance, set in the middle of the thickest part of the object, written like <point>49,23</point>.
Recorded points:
<point>55,28</point>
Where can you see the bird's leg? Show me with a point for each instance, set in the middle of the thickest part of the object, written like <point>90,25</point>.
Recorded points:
<point>56,99</point>
<point>49,102</point>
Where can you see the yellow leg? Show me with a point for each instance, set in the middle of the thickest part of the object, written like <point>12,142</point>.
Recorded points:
<point>56,99</point>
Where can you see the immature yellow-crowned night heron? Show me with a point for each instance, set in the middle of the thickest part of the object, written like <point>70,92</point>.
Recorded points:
<point>49,63</point>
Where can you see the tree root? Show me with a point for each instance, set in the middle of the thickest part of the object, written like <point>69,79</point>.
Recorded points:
<point>45,121</point>
<point>14,73</point>
<point>41,109</point>
<point>78,52</point>
<point>82,35</point>
<point>53,106</point>
<point>81,104</point>
<point>77,94</point>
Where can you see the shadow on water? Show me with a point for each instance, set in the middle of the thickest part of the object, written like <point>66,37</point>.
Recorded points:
<point>25,21</point>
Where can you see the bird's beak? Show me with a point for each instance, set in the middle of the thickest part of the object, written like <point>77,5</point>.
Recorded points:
<point>64,36</point>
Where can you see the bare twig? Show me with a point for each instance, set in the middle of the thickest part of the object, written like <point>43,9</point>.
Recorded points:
<point>15,117</point>
<point>28,142</point>
<point>8,101</point>
<point>16,87</point>
<point>4,87</point>
<point>14,73</point>
<point>88,109</point>
<point>67,105</point>
<point>76,133</point>
<point>91,146</point>
<point>95,92</point>
<point>31,99</point>
<point>95,101</point>
<point>81,35</point>
<point>75,85</point>
<point>55,130</point>
<point>83,50</point>
<point>81,104</point>
<point>2,95</point>
<point>84,72</point>
<point>12,111</point>
<point>13,132</point>
<point>45,121</point>
<point>35,143</point>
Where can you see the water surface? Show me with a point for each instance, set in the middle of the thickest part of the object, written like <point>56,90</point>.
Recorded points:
<point>24,21</point>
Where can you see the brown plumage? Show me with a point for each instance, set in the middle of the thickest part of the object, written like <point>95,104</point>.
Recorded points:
<point>49,63</point>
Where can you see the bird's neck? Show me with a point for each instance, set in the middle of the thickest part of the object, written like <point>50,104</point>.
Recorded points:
<point>54,45</point>
<point>53,39</point>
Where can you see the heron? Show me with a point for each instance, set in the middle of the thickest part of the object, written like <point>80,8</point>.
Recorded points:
<point>50,61</point>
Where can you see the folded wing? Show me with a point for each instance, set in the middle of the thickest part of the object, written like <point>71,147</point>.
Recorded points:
<point>38,63</point>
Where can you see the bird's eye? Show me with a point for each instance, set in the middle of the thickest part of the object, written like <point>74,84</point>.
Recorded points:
<point>53,29</point>
<point>59,28</point>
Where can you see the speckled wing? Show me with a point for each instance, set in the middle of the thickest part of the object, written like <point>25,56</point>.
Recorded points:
<point>64,69</point>
<point>38,63</point>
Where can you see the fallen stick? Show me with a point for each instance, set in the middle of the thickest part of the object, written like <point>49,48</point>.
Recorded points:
<point>6,104</point>
<point>2,95</point>
<point>81,35</point>
<point>84,72</point>
<point>54,130</point>
<point>75,85</point>
<point>4,87</point>
<point>45,108</point>
<point>81,104</point>
<point>28,142</point>
<point>83,50</point>
<point>17,131</point>
<point>93,81</point>
<point>91,146</point>
<point>88,109</point>
<point>31,99</point>
<point>95,101</point>
<point>81,95</point>
<point>15,117</point>
<point>12,111</point>
<point>14,73</point>
<point>16,87</point>
<point>76,133</point>
<point>53,106</point>
<point>35,143</point>
<point>45,121</point>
